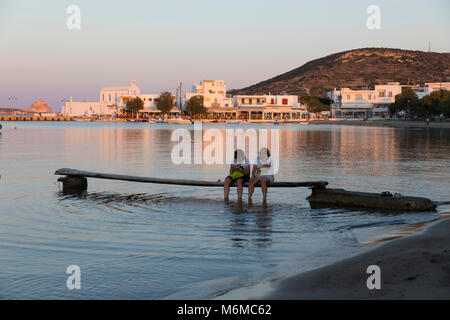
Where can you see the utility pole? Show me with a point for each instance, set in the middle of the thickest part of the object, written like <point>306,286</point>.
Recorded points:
<point>181,96</point>
<point>12,99</point>
<point>177,103</point>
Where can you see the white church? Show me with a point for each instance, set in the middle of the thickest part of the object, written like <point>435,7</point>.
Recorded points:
<point>110,100</point>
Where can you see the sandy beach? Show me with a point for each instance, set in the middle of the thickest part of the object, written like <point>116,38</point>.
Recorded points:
<point>413,267</point>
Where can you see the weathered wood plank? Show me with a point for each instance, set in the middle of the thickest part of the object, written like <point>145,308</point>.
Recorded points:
<point>181,182</point>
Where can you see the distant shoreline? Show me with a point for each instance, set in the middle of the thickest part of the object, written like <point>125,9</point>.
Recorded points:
<point>351,122</point>
<point>385,123</point>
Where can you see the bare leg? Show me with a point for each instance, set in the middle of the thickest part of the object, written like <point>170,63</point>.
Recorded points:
<point>251,187</point>
<point>240,187</point>
<point>264,189</point>
<point>226,189</point>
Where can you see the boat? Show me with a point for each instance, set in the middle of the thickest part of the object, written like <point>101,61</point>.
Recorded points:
<point>178,121</point>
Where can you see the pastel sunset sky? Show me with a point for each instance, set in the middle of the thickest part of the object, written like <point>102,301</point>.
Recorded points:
<point>162,43</point>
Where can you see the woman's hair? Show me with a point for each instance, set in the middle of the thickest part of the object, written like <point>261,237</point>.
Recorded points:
<point>265,149</point>
<point>238,151</point>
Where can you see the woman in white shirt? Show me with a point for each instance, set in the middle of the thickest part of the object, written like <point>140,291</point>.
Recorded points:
<point>262,173</point>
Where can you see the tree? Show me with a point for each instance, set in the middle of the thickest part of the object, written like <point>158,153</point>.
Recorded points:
<point>313,105</point>
<point>444,104</point>
<point>435,104</point>
<point>164,102</point>
<point>195,107</point>
<point>406,101</point>
<point>134,105</point>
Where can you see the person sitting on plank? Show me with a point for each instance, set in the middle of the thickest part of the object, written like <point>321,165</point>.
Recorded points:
<point>263,173</point>
<point>239,173</point>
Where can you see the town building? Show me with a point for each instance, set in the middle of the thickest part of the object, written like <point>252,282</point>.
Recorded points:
<point>364,103</point>
<point>150,109</point>
<point>369,103</point>
<point>117,95</point>
<point>269,107</point>
<point>87,109</point>
<point>214,94</point>
<point>111,99</point>
<point>423,91</point>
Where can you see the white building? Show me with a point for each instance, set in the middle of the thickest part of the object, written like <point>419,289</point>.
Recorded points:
<point>87,109</point>
<point>269,107</point>
<point>214,93</point>
<point>111,99</point>
<point>430,87</point>
<point>112,95</point>
<point>368,102</point>
<point>265,100</point>
<point>150,109</point>
<point>365,102</point>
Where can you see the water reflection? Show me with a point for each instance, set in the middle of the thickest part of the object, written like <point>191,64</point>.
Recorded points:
<point>251,225</point>
<point>174,237</point>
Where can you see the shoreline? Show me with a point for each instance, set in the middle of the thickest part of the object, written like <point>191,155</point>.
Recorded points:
<point>412,267</point>
<point>386,123</point>
<point>405,271</point>
<point>390,123</point>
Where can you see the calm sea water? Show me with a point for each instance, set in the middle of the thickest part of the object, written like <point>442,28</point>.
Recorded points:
<point>144,241</point>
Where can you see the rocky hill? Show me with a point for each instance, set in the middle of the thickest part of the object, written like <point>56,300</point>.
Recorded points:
<point>39,106</point>
<point>355,69</point>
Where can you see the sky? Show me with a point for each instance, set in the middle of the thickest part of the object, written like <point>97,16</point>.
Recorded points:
<point>162,43</point>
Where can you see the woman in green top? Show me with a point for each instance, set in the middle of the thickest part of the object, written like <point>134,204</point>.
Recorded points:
<point>239,173</point>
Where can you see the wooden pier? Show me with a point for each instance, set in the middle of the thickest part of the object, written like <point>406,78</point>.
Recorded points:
<point>33,118</point>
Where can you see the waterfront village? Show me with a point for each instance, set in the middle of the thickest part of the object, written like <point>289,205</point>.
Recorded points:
<point>344,103</point>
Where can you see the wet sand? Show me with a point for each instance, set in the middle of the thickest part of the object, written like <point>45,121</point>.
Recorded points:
<point>413,267</point>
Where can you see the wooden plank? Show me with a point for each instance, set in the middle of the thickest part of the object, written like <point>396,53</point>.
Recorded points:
<point>98,175</point>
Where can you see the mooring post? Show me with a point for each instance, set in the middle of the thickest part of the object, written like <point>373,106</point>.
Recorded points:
<point>73,184</point>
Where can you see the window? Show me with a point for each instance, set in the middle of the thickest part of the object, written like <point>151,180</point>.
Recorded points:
<point>369,97</point>
<point>272,101</point>
<point>390,94</point>
<point>103,97</point>
<point>109,96</point>
<point>284,101</point>
<point>381,94</point>
<point>358,97</point>
<point>348,97</point>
